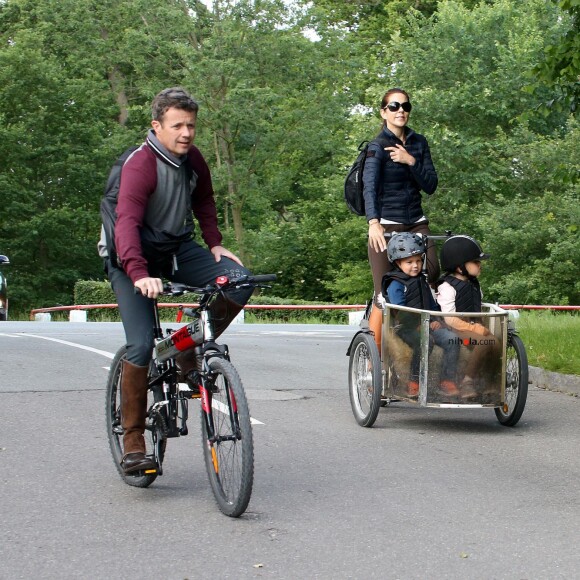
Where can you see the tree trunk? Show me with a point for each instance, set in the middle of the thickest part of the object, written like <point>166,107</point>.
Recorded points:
<point>117,86</point>
<point>234,200</point>
<point>239,232</point>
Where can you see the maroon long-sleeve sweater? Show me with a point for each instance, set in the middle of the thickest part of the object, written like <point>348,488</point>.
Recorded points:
<point>150,171</point>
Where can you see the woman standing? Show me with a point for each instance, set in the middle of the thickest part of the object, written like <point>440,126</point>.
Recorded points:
<point>398,167</point>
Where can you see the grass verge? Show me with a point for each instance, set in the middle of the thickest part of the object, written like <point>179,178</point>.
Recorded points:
<point>551,340</point>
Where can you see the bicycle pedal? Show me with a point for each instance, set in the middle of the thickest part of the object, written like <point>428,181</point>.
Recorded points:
<point>186,391</point>
<point>142,472</point>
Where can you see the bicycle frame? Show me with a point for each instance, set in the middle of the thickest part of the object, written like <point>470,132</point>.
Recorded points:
<point>201,341</point>
<point>175,394</point>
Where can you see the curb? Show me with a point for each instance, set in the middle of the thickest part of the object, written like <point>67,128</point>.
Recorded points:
<point>568,384</point>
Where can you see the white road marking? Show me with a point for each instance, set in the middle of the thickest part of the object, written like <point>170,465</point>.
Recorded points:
<point>219,406</point>
<point>74,344</point>
<point>216,404</point>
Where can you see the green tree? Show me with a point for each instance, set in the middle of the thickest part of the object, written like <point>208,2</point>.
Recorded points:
<point>467,69</point>
<point>265,113</point>
<point>532,235</point>
<point>76,77</point>
<point>282,112</point>
<point>561,66</point>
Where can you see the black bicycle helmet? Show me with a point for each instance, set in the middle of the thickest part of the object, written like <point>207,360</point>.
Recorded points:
<point>460,249</point>
<point>404,245</point>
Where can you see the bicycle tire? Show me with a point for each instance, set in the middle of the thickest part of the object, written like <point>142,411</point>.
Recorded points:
<point>229,457</point>
<point>154,431</point>
<point>365,379</point>
<point>516,388</point>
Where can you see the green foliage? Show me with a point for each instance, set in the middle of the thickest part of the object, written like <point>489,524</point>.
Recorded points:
<point>533,233</point>
<point>280,119</point>
<point>473,86</point>
<point>65,67</point>
<point>94,292</point>
<point>299,311</point>
<point>560,67</point>
<point>534,248</point>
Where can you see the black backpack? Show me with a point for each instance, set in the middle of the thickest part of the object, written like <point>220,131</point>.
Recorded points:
<point>109,203</point>
<point>353,184</point>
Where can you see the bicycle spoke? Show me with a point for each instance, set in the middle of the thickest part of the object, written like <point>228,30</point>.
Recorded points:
<point>228,446</point>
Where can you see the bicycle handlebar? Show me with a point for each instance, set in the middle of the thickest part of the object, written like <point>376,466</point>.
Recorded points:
<point>176,289</point>
<point>261,278</point>
<point>447,234</point>
<point>221,283</point>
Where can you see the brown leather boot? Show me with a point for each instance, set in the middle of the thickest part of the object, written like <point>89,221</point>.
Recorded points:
<point>376,324</point>
<point>133,411</point>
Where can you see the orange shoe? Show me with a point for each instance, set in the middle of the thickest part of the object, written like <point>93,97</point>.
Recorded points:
<point>413,389</point>
<point>449,388</point>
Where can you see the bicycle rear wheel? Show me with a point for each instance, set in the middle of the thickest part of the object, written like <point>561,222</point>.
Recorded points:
<point>228,447</point>
<point>155,430</point>
<point>516,386</point>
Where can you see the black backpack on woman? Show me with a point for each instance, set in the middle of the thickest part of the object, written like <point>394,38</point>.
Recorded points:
<point>353,184</point>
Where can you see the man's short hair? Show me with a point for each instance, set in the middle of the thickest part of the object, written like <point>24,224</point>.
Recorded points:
<point>174,97</point>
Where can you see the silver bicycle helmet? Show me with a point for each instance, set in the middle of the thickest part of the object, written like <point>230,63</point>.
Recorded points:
<point>460,249</point>
<point>404,245</point>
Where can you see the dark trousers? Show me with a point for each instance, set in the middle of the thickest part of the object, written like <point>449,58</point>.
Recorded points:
<point>196,266</point>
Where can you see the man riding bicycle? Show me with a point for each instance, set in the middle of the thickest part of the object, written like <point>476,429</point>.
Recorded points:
<point>163,183</point>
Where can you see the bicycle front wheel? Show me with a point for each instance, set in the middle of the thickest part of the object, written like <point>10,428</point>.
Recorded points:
<point>155,433</point>
<point>365,379</point>
<point>228,446</point>
<point>516,384</point>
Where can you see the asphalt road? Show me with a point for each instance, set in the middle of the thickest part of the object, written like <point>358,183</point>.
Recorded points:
<point>425,493</point>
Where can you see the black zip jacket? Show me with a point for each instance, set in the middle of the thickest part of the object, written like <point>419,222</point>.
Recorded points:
<point>417,292</point>
<point>392,190</point>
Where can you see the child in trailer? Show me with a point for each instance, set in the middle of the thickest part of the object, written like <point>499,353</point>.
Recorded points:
<point>406,285</point>
<point>459,291</point>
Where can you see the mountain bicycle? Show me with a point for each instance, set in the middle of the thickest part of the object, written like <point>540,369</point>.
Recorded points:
<point>225,417</point>
<point>378,379</point>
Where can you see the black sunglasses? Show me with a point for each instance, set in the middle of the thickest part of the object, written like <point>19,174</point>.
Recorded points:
<point>394,106</point>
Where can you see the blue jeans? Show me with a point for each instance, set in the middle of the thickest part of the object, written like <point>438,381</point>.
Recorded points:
<point>444,338</point>
<point>447,340</point>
